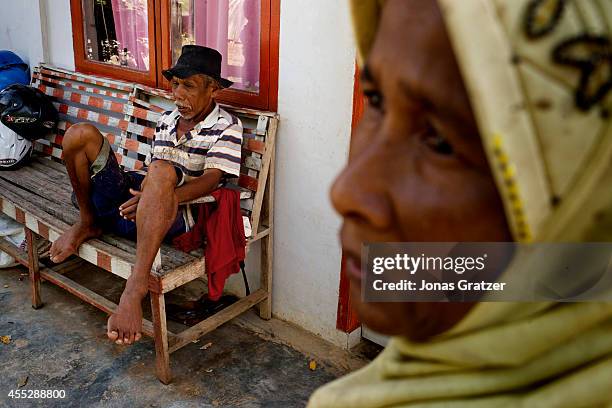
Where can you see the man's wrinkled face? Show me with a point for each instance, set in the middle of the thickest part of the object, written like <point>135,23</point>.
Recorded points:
<point>193,95</point>
<point>417,170</point>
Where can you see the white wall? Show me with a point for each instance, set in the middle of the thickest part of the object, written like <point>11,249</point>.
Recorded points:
<point>21,30</point>
<point>38,30</point>
<point>60,51</point>
<point>315,104</point>
<point>317,63</point>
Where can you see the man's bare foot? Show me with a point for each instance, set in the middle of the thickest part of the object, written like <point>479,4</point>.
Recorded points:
<point>125,325</point>
<point>68,243</point>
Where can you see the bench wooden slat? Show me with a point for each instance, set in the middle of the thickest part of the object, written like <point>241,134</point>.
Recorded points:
<point>64,125</point>
<point>51,151</point>
<point>171,258</point>
<point>265,189</point>
<point>119,141</point>
<point>253,145</point>
<point>107,83</point>
<point>128,162</point>
<point>248,182</point>
<point>162,93</point>
<point>99,102</point>
<point>54,166</point>
<point>247,204</point>
<point>83,99</point>
<point>45,189</point>
<point>124,125</point>
<point>251,162</point>
<point>257,132</point>
<point>73,85</point>
<point>147,105</point>
<point>133,145</point>
<point>142,113</point>
<point>18,204</point>
<point>51,170</point>
<point>56,205</point>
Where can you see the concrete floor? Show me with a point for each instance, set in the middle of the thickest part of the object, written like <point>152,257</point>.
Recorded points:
<point>63,346</point>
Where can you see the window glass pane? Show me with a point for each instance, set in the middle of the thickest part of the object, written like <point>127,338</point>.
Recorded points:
<point>229,26</point>
<point>117,32</point>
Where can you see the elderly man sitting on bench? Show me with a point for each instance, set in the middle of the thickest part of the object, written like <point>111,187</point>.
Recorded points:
<point>195,146</point>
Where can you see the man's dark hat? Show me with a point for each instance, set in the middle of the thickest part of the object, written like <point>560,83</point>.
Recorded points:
<point>196,59</point>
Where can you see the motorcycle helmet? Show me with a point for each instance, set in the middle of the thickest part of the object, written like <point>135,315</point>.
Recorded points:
<point>12,69</point>
<point>15,150</point>
<point>27,111</point>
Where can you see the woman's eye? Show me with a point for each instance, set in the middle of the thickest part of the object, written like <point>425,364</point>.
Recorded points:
<point>375,99</point>
<point>437,142</point>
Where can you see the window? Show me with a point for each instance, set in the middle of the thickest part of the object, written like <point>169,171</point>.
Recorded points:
<point>231,27</point>
<point>135,40</point>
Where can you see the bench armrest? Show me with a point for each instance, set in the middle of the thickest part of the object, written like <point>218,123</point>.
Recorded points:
<point>244,194</point>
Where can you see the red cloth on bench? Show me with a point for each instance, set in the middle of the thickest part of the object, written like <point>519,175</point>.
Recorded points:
<point>220,226</point>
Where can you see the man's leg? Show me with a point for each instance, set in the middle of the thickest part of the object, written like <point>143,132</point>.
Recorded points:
<point>81,145</point>
<point>155,215</point>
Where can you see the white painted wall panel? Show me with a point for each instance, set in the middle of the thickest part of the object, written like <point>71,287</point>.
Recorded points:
<point>60,51</point>
<point>22,31</point>
<point>317,62</point>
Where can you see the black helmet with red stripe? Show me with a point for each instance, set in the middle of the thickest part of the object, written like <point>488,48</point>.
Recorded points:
<point>27,111</point>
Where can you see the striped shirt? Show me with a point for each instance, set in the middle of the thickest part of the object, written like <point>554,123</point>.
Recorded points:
<point>214,143</point>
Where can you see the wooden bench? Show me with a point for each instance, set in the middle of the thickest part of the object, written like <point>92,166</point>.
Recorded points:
<point>39,197</point>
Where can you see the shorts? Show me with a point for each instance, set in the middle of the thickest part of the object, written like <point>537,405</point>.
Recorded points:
<point>110,187</point>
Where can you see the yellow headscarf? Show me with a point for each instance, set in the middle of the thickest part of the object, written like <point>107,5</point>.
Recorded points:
<point>551,155</point>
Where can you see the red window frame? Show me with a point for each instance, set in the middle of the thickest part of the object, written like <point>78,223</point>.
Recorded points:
<point>86,66</point>
<point>159,38</point>
<point>346,317</point>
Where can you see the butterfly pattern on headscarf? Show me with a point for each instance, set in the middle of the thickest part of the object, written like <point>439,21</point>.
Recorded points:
<point>590,53</point>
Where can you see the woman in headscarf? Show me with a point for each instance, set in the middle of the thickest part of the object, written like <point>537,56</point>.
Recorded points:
<point>487,120</point>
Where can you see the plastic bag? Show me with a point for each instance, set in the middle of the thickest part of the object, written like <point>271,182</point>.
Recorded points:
<point>13,232</point>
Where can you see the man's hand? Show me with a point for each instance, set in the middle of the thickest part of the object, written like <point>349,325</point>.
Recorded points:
<point>128,209</point>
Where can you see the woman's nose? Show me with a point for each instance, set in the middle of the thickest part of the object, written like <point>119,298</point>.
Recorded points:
<point>359,192</point>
